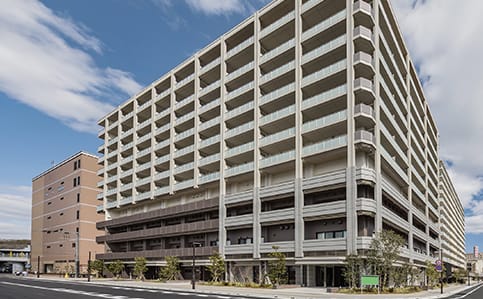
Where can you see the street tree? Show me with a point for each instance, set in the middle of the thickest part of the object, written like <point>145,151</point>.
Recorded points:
<point>353,267</point>
<point>171,271</point>
<point>277,269</point>
<point>98,267</point>
<point>140,267</point>
<point>384,252</point>
<point>116,268</point>
<point>216,266</point>
<point>431,273</point>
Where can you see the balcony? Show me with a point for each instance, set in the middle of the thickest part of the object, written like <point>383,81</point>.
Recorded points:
<point>239,249</point>
<point>155,254</point>
<point>279,189</point>
<point>210,123</point>
<point>209,141</point>
<point>185,81</point>
<point>161,191</point>
<point>324,97</point>
<point>163,94</point>
<point>238,197</point>
<point>144,152</point>
<point>184,151</point>
<point>210,65</point>
<point>277,159</point>
<point>279,114</point>
<point>238,150</point>
<point>207,178</point>
<point>184,118</point>
<point>162,159</point>
<point>111,204</point>
<point>286,246</point>
<point>183,168</point>
<point>209,106</point>
<point>208,160</point>
<point>240,71</point>
<point>111,192</point>
<point>100,208</point>
<point>143,196</point>
<point>239,110</point>
<point>144,138</point>
<point>144,181</point>
<point>277,51</point>
<point>145,105</point>
<point>277,137</point>
<point>209,88</point>
<point>125,201</point>
<point>239,91</point>
<point>100,196</point>
<point>364,37</point>
<point>277,24</point>
<point>324,73</point>
<point>126,187</point>
<point>324,146</point>
<point>278,72</point>
<point>183,185</point>
<point>363,13</point>
<point>366,205</point>
<point>325,244</point>
<point>239,130</point>
<point>277,215</point>
<point>324,25</point>
<point>324,49</point>
<point>239,169</point>
<point>241,220</point>
<point>127,116</point>
<point>184,102</point>
<point>365,139</point>
<point>395,219</point>
<point>184,134</point>
<point>239,47</point>
<point>324,121</point>
<point>325,209</point>
<point>278,93</point>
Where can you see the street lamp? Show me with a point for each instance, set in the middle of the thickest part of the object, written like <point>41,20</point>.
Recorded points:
<point>193,279</point>
<point>76,252</point>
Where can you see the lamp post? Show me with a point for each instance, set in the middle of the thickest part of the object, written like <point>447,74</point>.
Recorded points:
<point>193,279</point>
<point>76,253</point>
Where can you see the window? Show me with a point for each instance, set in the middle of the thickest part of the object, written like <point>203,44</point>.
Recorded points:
<point>49,203</point>
<point>61,214</point>
<point>73,245</point>
<point>78,197</point>
<point>76,229</point>
<point>77,164</point>
<point>49,217</point>
<point>62,198</point>
<point>77,214</point>
<point>78,181</point>
<point>61,245</point>
<point>48,246</point>
<point>75,182</point>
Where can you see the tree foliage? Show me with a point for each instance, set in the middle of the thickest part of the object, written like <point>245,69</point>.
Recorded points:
<point>116,268</point>
<point>171,271</point>
<point>384,251</point>
<point>98,267</point>
<point>277,269</point>
<point>140,267</point>
<point>432,274</point>
<point>353,267</point>
<point>216,266</point>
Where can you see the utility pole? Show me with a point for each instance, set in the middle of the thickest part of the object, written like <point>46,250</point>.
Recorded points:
<point>89,268</point>
<point>193,271</point>
<point>77,264</point>
<point>38,266</point>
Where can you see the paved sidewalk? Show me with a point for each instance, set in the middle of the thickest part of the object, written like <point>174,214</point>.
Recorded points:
<point>289,293</point>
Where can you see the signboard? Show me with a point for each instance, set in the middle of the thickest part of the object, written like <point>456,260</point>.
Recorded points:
<point>370,280</point>
<point>438,265</point>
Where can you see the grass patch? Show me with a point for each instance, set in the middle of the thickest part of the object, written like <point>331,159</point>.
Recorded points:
<point>404,290</point>
<point>236,284</point>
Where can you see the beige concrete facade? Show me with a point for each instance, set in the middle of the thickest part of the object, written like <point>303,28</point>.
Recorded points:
<point>64,205</point>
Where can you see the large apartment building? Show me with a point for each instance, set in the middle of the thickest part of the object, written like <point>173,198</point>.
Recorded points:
<point>452,218</point>
<point>64,200</point>
<point>304,127</point>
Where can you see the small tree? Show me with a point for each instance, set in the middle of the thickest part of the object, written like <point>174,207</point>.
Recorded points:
<point>171,270</point>
<point>116,268</point>
<point>384,251</point>
<point>353,268</point>
<point>140,267</point>
<point>414,273</point>
<point>459,275</point>
<point>97,266</point>
<point>401,274</point>
<point>217,266</point>
<point>431,273</point>
<point>277,267</point>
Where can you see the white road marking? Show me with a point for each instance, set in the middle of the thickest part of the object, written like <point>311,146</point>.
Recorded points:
<point>71,291</point>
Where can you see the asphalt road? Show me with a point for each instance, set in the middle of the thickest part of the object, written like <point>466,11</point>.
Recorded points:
<point>19,288</point>
<point>475,292</point>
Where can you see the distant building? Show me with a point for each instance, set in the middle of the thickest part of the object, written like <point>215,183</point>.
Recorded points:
<point>64,214</point>
<point>474,262</point>
<point>14,255</point>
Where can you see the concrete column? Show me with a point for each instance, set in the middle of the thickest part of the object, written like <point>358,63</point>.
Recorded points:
<point>377,131</point>
<point>196,172</point>
<point>256,136</point>
<point>409,155</point>
<point>171,134</point>
<point>351,185</point>
<point>298,192</point>
<point>222,192</point>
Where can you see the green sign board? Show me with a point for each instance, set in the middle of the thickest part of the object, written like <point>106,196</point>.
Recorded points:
<point>369,280</point>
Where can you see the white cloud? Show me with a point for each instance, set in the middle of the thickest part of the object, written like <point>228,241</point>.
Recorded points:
<point>445,41</point>
<point>15,212</point>
<point>46,64</point>
<point>217,7</point>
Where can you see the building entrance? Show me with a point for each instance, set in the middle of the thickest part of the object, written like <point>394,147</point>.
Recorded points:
<point>329,276</point>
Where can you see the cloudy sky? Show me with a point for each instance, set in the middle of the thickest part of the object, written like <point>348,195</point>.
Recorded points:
<point>64,64</point>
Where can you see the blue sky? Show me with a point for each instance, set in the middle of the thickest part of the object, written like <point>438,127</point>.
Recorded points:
<point>64,64</point>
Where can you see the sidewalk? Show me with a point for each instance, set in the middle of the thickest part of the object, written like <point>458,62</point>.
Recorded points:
<point>290,293</point>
